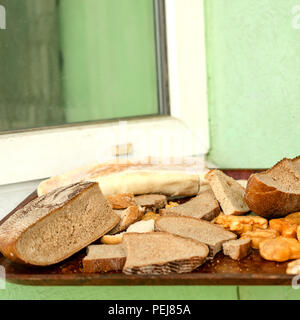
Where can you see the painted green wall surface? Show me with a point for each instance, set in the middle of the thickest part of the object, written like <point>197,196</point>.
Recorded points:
<point>109,60</point>
<point>18,292</point>
<point>253,82</point>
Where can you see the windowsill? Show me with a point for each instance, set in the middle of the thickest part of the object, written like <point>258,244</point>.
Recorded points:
<point>35,155</point>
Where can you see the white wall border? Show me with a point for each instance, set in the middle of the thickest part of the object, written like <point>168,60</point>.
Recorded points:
<point>39,154</point>
<point>187,65</point>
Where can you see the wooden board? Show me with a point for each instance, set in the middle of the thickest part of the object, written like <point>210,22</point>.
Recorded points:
<point>252,270</point>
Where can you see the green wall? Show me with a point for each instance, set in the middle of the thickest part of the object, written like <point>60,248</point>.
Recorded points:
<point>109,60</point>
<point>18,292</point>
<point>253,82</point>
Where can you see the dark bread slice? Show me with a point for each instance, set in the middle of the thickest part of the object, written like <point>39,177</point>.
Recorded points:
<point>161,253</point>
<point>237,249</point>
<point>204,206</point>
<point>153,201</point>
<point>275,192</point>
<point>104,258</point>
<point>53,227</point>
<point>210,234</point>
<point>228,192</point>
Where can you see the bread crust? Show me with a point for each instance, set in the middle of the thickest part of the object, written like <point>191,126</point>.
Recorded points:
<point>269,202</point>
<point>8,242</point>
<point>100,263</point>
<point>103,265</point>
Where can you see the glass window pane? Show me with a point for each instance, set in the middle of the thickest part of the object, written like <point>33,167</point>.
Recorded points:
<point>71,61</point>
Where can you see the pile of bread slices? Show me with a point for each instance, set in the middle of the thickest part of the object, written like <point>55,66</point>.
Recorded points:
<point>144,221</point>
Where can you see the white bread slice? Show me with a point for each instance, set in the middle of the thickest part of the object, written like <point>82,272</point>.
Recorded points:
<point>142,226</point>
<point>275,193</point>
<point>128,216</point>
<point>139,227</point>
<point>104,258</point>
<point>162,253</point>
<point>210,234</point>
<point>228,192</point>
<point>51,228</point>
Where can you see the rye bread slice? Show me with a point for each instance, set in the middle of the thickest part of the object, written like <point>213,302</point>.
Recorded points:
<point>151,201</point>
<point>204,206</point>
<point>237,249</point>
<point>104,258</point>
<point>162,253</point>
<point>52,227</point>
<point>212,235</point>
<point>228,192</point>
<point>275,192</point>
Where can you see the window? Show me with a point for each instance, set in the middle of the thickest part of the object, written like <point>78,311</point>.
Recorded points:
<point>67,65</point>
<point>71,61</point>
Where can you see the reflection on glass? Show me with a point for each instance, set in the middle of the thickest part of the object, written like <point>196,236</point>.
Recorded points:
<point>71,61</point>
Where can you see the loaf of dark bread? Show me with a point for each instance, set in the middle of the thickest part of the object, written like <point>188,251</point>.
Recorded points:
<point>275,192</point>
<point>52,227</point>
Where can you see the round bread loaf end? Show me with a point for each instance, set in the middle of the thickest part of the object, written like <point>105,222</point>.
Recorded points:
<point>269,201</point>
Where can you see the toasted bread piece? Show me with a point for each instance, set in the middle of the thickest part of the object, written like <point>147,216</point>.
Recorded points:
<point>53,227</point>
<point>204,206</point>
<point>275,192</point>
<point>259,235</point>
<point>280,249</point>
<point>210,234</point>
<point>293,267</point>
<point>150,215</point>
<point>138,227</point>
<point>128,217</point>
<point>237,249</point>
<point>228,192</point>
<point>112,239</point>
<point>161,253</point>
<point>241,224</point>
<point>284,227</point>
<point>104,258</point>
<point>293,218</point>
<point>121,200</point>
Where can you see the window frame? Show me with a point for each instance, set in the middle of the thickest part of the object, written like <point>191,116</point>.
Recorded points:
<point>182,96</point>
